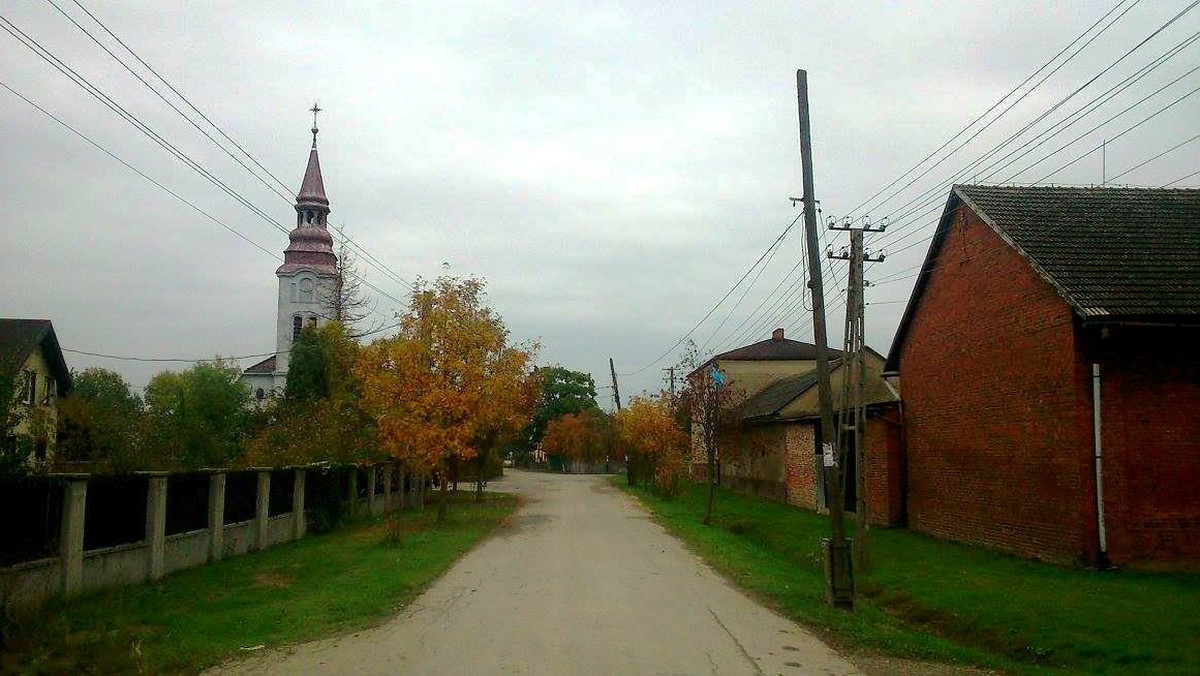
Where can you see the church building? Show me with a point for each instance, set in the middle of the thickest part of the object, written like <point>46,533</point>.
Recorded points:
<point>307,280</point>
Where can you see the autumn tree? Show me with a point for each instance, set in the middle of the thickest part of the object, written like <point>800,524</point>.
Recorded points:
<point>321,416</point>
<point>101,420</point>
<point>440,389</point>
<point>559,391</point>
<point>654,441</point>
<point>578,436</point>
<point>711,408</point>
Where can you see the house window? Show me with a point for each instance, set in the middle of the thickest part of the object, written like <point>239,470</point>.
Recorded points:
<point>260,394</point>
<point>297,327</point>
<point>306,291</point>
<point>29,390</point>
<point>312,321</point>
<point>48,398</point>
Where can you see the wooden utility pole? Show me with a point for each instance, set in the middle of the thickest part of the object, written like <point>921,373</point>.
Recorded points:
<point>616,392</point>
<point>853,413</point>
<point>839,575</point>
<point>670,370</point>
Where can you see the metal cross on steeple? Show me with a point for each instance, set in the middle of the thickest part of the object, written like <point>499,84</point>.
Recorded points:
<point>314,110</point>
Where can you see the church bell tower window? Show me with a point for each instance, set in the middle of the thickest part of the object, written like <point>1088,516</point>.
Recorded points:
<point>297,327</point>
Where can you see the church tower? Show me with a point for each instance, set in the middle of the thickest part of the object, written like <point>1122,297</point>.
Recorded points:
<point>307,278</point>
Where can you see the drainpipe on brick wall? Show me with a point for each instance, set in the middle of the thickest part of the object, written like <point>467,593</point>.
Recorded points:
<point>1099,464</point>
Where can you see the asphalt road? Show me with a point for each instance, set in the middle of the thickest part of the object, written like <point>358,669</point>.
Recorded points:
<point>581,582</point>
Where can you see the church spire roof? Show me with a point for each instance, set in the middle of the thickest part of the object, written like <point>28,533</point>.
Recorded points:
<point>312,188</point>
<point>310,244</point>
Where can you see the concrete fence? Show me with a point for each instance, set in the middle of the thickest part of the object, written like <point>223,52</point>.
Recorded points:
<point>75,570</point>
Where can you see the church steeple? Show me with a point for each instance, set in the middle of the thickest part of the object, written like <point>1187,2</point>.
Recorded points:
<point>310,245</point>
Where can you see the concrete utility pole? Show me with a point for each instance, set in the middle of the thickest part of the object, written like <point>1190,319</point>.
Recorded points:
<point>853,414</point>
<point>616,392</point>
<point>839,576</point>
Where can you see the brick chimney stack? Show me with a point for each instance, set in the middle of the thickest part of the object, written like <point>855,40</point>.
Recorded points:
<point>777,334</point>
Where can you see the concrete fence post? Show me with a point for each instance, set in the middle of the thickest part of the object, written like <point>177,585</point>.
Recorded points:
<point>372,475</point>
<point>262,507</point>
<point>156,522</point>
<point>71,534</point>
<point>388,470</point>
<point>216,516</point>
<point>299,521</point>
<point>353,498</point>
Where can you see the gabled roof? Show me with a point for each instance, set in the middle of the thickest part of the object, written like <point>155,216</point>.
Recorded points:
<point>265,366</point>
<point>774,349</point>
<point>777,399</point>
<point>777,395</point>
<point>1110,253</point>
<point>20,337</point>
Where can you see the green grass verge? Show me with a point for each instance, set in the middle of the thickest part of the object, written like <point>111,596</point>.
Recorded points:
<point>932,600</point>
<point>317,586</point>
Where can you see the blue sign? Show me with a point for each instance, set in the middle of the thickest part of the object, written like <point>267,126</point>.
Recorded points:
<point>718,377</point>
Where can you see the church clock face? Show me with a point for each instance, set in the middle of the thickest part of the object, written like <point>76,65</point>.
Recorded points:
<point>306,290</point>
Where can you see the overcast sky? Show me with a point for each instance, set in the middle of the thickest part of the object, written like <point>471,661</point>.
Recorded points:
<point>611,169</point>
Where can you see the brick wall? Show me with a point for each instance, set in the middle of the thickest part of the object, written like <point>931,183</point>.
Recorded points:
<point>998,436</point>
<point>1150,393</point>
<point>800,482</point>
<point>884,464</point>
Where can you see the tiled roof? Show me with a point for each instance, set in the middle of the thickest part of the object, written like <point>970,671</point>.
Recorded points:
<point>19,337</point>
<point>778,394</point>
<point>1111,253</point>
<point>1108,251</point>
<point>265,366</point>
<point>774,349</point>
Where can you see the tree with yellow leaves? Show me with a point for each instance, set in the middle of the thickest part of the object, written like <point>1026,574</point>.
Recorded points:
<point>448,385</point>
<point>654,440</point>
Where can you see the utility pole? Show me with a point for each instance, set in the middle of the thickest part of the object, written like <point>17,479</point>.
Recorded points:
<point>853,414</point>
<point>839,576</point>
<point>616,392</point>
<point>670,371</point>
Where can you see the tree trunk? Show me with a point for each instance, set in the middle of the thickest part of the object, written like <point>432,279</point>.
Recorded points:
<point>481,462</point>
<point>712,486</point>
<point>442,499</point>
<point>419,493</point>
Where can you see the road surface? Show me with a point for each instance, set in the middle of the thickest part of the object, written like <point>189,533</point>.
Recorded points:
<point>581,582</point>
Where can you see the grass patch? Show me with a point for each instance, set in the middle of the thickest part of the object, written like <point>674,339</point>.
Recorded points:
<point>321,585</point>
<point>932,600</point>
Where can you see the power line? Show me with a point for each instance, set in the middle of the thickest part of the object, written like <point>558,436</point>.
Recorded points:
<point>371,259</point>
<point>1010,106</point>
<point>180,95</point>
<point>139,172</point>
<point>181,360</point>
<point>719,302</point>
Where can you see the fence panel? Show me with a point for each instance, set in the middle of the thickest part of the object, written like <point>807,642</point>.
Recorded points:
<point>116,511</point>
<point>241,495</point>
<point>32,509</point>
<point>187,502</point>
<point>282,484</point>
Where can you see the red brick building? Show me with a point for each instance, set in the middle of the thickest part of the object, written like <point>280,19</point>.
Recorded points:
<point>1041,316</point>
<point>775,380</point>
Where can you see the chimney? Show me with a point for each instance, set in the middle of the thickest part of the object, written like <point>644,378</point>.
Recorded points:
<point>777,334</point>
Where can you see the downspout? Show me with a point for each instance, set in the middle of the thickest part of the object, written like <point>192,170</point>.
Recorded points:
<point>1099,464</point>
